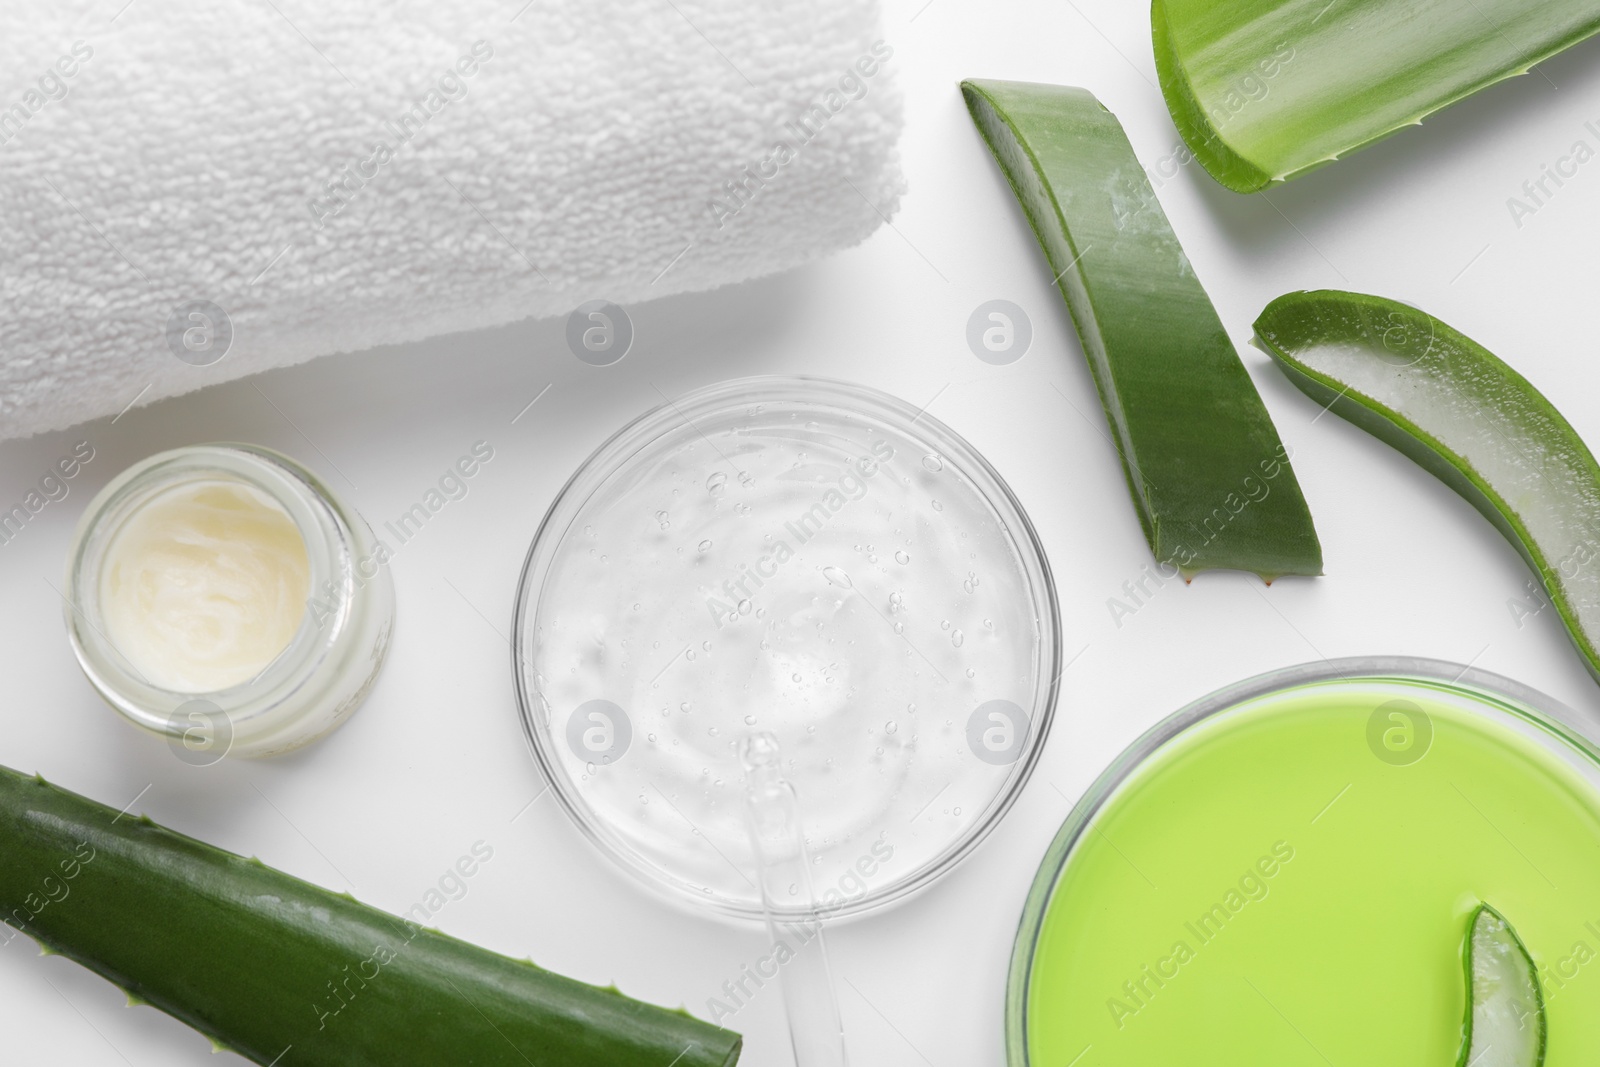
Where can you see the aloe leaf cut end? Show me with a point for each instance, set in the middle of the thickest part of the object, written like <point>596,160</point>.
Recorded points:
<point>1199,133</point>
<point>1466,417</point>
<point>1265,91</point>
<point>1505,1020</point>
<point>1210,478</point>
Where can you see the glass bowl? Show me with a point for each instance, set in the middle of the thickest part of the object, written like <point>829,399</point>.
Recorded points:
<point>808,558</point>
<point>1309,846</point>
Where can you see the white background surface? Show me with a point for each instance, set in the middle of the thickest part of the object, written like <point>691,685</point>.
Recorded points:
<point>436,760</point>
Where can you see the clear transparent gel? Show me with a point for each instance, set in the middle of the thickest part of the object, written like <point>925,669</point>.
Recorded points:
<point>807,572</point>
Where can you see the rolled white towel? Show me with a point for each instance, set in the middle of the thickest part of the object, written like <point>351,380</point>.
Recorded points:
<point>281,179</point>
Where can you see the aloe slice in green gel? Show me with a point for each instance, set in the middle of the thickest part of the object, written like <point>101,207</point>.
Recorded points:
<point>1264,91</point>
<point>1505,1024</point>
<point>1209,476</point>
<point>1466,417</point>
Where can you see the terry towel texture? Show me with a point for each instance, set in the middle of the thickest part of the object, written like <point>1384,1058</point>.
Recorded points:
<point>341,174</point>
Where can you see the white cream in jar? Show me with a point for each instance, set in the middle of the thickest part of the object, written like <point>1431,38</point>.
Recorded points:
<point>224,597</point>
<point>204,586</point>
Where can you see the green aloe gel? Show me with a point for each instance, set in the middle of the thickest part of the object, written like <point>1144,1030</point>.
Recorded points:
<point>1287,881</point>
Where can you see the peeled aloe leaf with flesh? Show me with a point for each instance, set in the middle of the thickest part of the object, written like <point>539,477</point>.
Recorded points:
<point>285,973</point>
<point>1264,91</point>
<point>1505,1025</point>
<point>1209,476</point>
<point>1466,417</point>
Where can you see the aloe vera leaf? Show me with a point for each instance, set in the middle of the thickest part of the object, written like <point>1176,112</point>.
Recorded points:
<point>1466,417</point>
<point>283,972</point>
<point>1264,91</point>
<point>1210,479</point>
<point>1505,1023</point>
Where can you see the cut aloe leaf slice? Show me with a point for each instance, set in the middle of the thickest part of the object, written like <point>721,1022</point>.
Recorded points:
<point>291,975</point>
<point>1264,91</point>
<point>1505,1024</point>
<point>1466,417</point>
<point>1210,478</point>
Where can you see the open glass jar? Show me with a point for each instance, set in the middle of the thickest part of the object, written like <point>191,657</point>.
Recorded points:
<point>295,695</point>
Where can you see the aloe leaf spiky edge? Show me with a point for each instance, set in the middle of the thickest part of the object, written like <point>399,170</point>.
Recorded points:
<point>1296,326</point>
<point>1210,479</point>
<point>1488,931</point>
<point>1357,73</point>
<point>284,972</point>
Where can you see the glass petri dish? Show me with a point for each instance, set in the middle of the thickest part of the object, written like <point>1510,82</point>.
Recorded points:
<point>808,558</point>
<point>1283,873</point>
